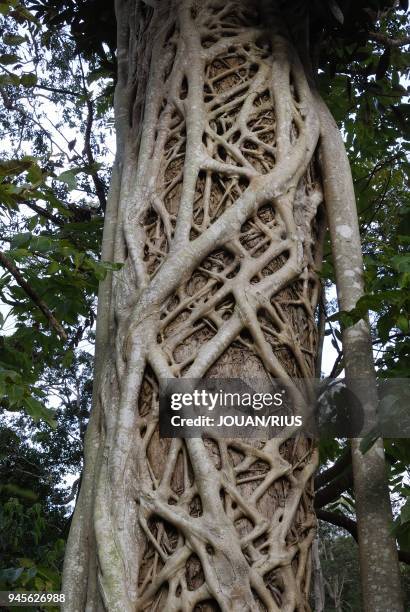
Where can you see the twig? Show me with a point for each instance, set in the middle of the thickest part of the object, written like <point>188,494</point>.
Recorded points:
<point>71,495</point>
<point>32,293</point>
<point>43,212</point>
<point>321,332</point>
<point>335,470</point>
<point>98,183</point>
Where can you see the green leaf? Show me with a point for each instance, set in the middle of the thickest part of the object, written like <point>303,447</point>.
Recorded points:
<point>38,411</point>
<point>28,80</point>
<point>53,267</point>
<point>48,574</point>
<point>42,244</point>
<point>9,79</point>
<point>111,266</point>
<point>405,513</point>
<point>345,318</point>
<point>403,324</point>
<point>384,325</point>
<point>68,177</point>
<point>21,240</point>
<point>16,491</point>
<point>100,73</point>
<point>24,14</point>
<point>13,39</point>
<point>13,167</point>
<point>9,58</point>
<point>383,65</point>
<point>367,442</point>
<point>402,262</point>
<point>35,174</point>
<point>100,271</point>
<point>68,359</point>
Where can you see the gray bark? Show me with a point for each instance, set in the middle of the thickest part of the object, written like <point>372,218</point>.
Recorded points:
<point>379,566</point>
<point>318,580</point>
<point>216,214</point>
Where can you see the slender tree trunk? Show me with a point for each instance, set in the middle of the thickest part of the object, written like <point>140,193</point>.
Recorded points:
<point>318,580</point>
<point>335,593</point>
<point>379,565</point>
<point>215,212</point>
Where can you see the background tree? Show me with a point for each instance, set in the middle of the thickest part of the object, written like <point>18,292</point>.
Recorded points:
<point>50,231</point>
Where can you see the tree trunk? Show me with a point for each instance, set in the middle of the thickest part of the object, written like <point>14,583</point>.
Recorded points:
<point>379,564</point>
<point>318,580</point>
<point>215,212</point>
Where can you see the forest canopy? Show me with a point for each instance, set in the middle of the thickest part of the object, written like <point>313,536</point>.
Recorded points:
<point>58,71</point>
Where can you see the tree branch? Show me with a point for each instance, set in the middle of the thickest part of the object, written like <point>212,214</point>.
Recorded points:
<point>389,42</point>
<point>66,92</point>
<point>98,183</point>
<point>43,212</point>
<point>33,295</point>
<point>340,520</point>
<point>321,332</point>
<point>335,470</point>
<point>73,492</point>
<point>332,491</point>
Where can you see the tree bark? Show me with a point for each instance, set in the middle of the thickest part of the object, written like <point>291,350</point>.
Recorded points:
<point>379,566</point>
<point>318,580</point>
<point>216,213</point>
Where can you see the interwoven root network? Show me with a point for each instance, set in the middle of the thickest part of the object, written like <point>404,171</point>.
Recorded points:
<point>220,231</point>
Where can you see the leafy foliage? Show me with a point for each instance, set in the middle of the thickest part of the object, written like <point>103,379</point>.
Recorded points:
<point>35,461</point>
<point>340,568</point>
<point>52,196</point>
<point>57,72</point>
